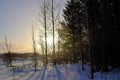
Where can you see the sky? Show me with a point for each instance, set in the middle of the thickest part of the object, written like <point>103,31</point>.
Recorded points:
<point>16,19</point>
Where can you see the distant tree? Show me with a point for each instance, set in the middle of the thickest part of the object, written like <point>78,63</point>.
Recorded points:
<point>7,56</point>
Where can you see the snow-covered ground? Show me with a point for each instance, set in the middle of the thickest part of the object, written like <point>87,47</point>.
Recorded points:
<point>50,72</point>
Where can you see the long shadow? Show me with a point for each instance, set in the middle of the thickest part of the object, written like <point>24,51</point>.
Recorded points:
<point>32,75</point>
<point>50,73</point>
<point>25,74</point>
<point>39,73</point>
<point>73,69</point>
<point>59,74</point>
<point>43,73</point>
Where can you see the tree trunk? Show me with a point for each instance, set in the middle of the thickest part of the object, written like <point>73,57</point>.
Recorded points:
<point>89,16</point>
<point>46,60</point>
<point>54,56</point>
<point>34,49</point>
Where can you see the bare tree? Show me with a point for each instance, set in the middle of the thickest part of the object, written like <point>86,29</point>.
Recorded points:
<point>50,17</point>
<point>8,58</point>
<point>34,49</point>
<point>42,18</point>
<point>52,11</point>
<point>45,26</point>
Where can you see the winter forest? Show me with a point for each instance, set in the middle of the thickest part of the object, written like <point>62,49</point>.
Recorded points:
<point>77,40</point>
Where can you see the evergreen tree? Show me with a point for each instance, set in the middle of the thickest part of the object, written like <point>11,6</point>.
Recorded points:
<point>73,18</point>
<point>104,23</point>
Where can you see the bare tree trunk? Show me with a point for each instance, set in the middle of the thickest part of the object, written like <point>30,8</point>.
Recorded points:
<point>46,60</point>
<point>34,49</point>
<point>54,56</point>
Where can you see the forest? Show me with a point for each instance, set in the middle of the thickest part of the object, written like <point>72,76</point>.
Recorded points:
<point>88,33</point>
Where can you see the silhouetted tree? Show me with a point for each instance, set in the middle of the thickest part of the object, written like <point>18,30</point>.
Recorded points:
<point>34,50</point>
<point>74,18</point>
<point>7,56</point>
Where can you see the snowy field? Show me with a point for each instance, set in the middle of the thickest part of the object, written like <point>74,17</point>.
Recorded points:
<point>24,71</point>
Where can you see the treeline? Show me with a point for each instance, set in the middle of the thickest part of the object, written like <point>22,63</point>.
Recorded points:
<point>90,32</point>
<point>8,57</point>
<point>19,55</point>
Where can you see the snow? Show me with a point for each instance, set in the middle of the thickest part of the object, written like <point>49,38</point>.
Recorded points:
<point>26,71</point>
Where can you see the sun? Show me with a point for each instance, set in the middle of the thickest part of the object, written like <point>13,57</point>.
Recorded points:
<point>49,41</point>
